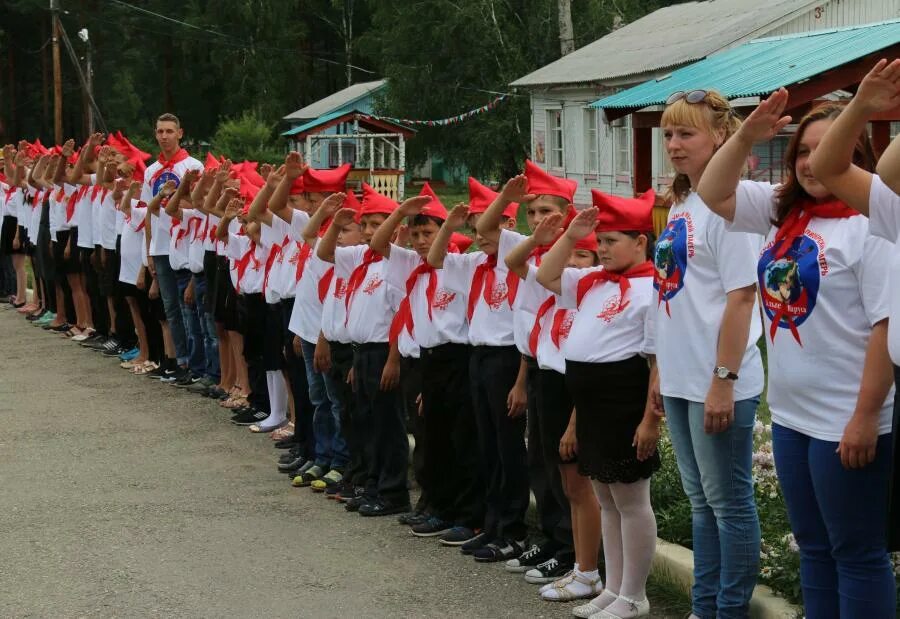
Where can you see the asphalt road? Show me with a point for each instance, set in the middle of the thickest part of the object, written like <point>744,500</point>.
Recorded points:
<point>122,497</point>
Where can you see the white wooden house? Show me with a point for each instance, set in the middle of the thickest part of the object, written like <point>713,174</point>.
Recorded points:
<point>570,138</point>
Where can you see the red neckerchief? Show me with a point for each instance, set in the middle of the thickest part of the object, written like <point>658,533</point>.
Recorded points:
<point>73,200</point>
<point>404,316</point>
<point>10,192</point>
<point>538,253</point>
<point>36,200</point>
<point>535,335</point>
<point>198,234</point>
<point>302,258</point>
<point>94,191</point>
<point>324,283</point>
<point>244,262</point>
<point>556,328</point>
<point>178,234</point>
<point>273,255</point>
<point>645,269</point>
<point>178,157</point>
<point>60,194</point>
<point>358,276</point>
<point>483,284</point>
<point>794,226</point>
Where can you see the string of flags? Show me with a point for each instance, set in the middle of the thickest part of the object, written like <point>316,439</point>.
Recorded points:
<point>453,120</point>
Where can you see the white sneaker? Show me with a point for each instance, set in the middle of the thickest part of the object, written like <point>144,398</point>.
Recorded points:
<point>636,608</point>
<point>576,587</point>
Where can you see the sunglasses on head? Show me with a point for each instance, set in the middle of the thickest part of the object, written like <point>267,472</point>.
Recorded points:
<point>691,96</point>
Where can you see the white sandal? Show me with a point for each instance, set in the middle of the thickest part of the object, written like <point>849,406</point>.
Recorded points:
<point>560,591</point>
<point>640,608</point>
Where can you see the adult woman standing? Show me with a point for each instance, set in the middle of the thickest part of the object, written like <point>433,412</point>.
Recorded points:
<point>710,372</point>
<point>821,276</point>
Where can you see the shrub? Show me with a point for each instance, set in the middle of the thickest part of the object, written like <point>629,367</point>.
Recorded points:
<point>246,137</point>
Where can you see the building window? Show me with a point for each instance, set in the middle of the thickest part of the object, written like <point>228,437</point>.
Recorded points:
<point>621,130</point>
<point>555,139</point>
<point>591,147</point>
<point>348,153</point>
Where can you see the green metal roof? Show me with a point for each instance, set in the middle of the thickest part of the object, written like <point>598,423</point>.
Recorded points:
<point>761,66</point>
<point>321,120</point>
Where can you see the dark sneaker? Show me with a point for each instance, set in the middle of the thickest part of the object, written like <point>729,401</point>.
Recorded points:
<point>332,478</point>
<point>461,536</point>
<point>156,374</point>
<point>308,476</point>
<point>94,341</point>
<point>173,375</point>
<point>187,380</point>
<point>347,492</point>
<point>499,550</point>
<point>432,527</point>
<point>331,492</point>
<point>532,557</point>
<point>249,417</point>
<point>476,543</point>
<point>381,507</point>
<point>201,385</point>
<point>354,503</point>
<point>550,570</point>
<point>413,518</point>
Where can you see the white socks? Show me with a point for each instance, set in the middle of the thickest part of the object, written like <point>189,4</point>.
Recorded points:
<point>278,397</point>
<point>578,586</point>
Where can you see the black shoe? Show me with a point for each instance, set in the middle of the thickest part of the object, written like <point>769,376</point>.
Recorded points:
<point>33,317</point>
<point>114,352</point>
<point>94,341</point>
<point>156,374</point>
<point>286,443</point>
<point>550,570</point>
<point>412,518</point>
<point>356,502</point>
<point>432,527</point>
<point>173,375</point>
<point>381,507</point>
<point>459,536</point>
<point>531,558</point>
<point>187,380</point>
<point>499,550</point>
<point>249,417</point>
<point>290,455</point>
<point>292,465</point>
<point>110,343</point>
<point>476,543</point>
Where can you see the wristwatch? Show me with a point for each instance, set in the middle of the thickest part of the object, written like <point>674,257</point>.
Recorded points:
<point>724,373</point>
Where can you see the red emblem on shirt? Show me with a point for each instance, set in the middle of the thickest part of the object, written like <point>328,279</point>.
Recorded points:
<point>498,295</point>
<point>372,285</point>
<point>611,308</point>
<point>443,299</point>
<point>566,326</point>
<point>340,288</point>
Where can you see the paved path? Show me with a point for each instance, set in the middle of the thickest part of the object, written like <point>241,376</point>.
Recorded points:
<point>121,497</point>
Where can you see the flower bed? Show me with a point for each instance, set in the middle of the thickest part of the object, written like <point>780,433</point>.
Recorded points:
<point>779,559</point>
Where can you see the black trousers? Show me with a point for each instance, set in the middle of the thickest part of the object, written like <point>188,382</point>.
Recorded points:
<point>492,373</point>
<point>410,388</point>
<point>894,502</point>
<point>379,419</point>
<point>295,370</point>
<point>451,437</point>
<point>253,328</point>
<point>90,267</point>
<point>341,364</point>
<point>553,511</point>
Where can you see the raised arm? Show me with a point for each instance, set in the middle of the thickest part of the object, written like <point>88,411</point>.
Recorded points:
<point>173,205</point>
<point>889,166</point>
<point>515,190</point>
<point>330,205</point>
<point>201,191</point>
<point>134,188</point>
<point>326,246</point>
<point>723,172</point>
<point>231,211</point>
<point>259,210</point>
<point>832,162</point>
<point>550,272</point>
<point>381,240</point>
<point>293,169</point>
<point>517,258</point>
<point>455,220</point>
<point>80,174</point>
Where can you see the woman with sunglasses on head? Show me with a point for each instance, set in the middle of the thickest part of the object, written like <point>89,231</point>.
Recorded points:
<point>710,372</point>
<point>821,276</point>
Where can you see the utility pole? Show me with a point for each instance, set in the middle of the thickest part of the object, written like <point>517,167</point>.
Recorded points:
<point>89,80</point>
<point>57,75</point>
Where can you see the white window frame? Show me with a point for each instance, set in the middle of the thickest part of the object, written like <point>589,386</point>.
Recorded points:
<point>622,152</point>
<point>591,141</point>
<point>556,146</point>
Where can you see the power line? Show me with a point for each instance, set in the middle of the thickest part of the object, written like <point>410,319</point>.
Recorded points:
<point>74,57</point>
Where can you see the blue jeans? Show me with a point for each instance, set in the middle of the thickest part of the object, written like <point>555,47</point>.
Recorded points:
<point>716,473</point>
<point>331,447</point>
<point>168,291</point>
<point>191,315</point>
<point>207,329</point>
<point>839,519</point>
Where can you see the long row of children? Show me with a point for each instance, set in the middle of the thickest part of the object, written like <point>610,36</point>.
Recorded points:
<point>582,335</point>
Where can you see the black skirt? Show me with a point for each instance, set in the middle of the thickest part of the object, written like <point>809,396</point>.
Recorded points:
<point>65,266</point>
<point>8,234</point>
<point>610,399</point>
<point>554,407</point>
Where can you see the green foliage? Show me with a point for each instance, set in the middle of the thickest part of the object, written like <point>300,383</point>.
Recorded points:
<point>246,138</point>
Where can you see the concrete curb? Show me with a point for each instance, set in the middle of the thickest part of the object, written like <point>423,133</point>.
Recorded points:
<point>676,564</point>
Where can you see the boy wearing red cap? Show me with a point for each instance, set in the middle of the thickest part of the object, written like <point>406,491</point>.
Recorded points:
<point>433,318</point>
<point>609,366</point>
<point>543,195</point>
<point>493,368</point>
<point>371,303</point>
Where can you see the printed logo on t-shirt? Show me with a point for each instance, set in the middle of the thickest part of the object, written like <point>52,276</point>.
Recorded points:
<point>442,299</point>
<point>340,288</point>
<point>498,295</point>
<point>790,284</point>
<point>674,247</point>
<point>372,285</point>
<point>612,308</point>
<point>566,326</point>
<point>168,175</point>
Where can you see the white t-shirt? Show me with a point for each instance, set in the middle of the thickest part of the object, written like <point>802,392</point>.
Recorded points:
<point>697,263</point>
<point>111,220</point>
<point>196,240</point>
<point>62,205</point>
<point>238,246</point>
<point>35,216</point>
<point>179,239</point>
<point>96,196</point>
<point>531,298</point>
<point>491,323</point>
<point>133,245</point>
<point>830,286</point>
<point>211,244</point>
<point>160,235</point>
<point>277,238</point>
<point>372,307</point>
<point>84,217</point>
<point>523,319</point>
<point>12,200</point>
<point>334,327</point>
<point>884,221</point>
<point>447,323</point>
<point>306,315</point>
<point>607,328</point>
<point>285,278</point>
<point>3,189</point>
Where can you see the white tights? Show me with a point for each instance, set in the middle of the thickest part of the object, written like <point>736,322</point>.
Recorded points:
<point>278,398</point>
